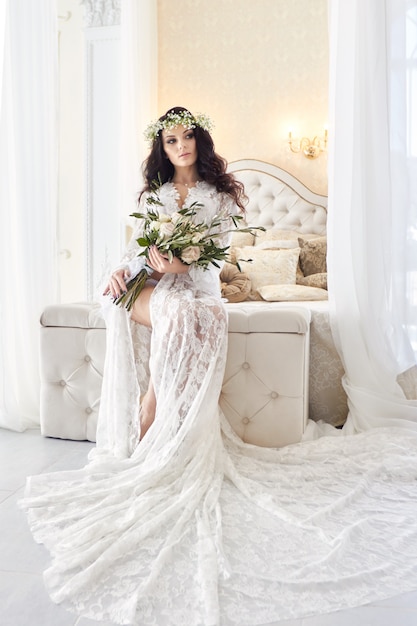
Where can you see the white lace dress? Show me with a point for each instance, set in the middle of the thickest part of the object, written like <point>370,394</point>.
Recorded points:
<point>194,527</point>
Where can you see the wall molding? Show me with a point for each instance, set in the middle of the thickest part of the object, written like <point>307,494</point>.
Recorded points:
<point>99,13</point>
<point>102,132</point>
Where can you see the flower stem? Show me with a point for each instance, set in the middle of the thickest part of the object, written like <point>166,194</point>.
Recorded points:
<point>133,289</point>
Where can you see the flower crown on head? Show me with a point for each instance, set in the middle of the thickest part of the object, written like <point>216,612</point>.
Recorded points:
<point>183,118</point>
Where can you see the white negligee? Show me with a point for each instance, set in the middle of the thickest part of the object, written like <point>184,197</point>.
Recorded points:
<point>194,527</point>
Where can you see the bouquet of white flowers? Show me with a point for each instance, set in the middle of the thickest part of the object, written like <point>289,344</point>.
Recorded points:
<point>177,235</point>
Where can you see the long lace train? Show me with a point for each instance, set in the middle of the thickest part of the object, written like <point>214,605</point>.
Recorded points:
<point>237,535</point>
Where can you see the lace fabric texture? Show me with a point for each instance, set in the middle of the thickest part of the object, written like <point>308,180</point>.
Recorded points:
<point>191,525</point>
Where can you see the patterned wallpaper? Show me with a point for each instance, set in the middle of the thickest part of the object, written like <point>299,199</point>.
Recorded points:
<point>257,67</point>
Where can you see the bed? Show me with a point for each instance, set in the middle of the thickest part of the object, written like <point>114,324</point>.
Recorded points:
<point>287,208</point>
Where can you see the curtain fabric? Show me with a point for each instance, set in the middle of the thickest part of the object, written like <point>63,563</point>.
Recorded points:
<point>138,93</point>
<point>2,34</point>
<point>372,207</point>
<point>28,192</point>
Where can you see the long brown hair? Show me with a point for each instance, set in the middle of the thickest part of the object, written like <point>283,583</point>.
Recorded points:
<point>211,167</point>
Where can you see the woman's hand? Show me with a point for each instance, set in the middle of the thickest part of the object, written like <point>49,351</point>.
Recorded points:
<point>117,283</point>
<point>160,263</point>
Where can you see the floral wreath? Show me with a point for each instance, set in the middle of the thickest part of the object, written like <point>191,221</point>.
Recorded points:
<point>171,120</point>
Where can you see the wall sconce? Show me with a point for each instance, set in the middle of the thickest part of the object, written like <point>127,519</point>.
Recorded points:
<point>311,148</point>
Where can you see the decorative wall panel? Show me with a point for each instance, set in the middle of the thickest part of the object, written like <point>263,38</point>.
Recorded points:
<point>101,12</point>
<point>102,152</point>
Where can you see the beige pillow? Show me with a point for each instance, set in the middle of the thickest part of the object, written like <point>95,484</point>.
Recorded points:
<point>267,267</point>
<point>239,240</point>
<point>286,244</point>
<point>272,234</point>
<point>235,285</point>
<point>313,280</point>
<point>313,255</point>
<point>271,244</point>
<point>291,293</point>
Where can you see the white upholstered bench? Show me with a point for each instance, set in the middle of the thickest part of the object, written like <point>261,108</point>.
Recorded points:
<point>265,388</point>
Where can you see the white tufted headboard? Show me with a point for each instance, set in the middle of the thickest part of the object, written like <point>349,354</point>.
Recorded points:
<point>278,200</point>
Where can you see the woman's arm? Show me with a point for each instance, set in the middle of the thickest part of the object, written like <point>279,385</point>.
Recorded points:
<point>131,264</point>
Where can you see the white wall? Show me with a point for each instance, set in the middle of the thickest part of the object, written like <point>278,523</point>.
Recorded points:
<point>71,151</point>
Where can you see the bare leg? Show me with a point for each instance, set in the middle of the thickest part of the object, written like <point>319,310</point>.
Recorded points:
<point>141,315</point>
<point>140,310</point>
<point>148,410</point>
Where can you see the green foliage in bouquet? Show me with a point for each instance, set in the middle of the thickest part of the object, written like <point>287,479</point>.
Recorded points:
<point>178,235</point>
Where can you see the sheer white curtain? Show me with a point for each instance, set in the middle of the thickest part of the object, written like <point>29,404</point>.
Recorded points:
<point>28,179</point>
<point>372,205</point>
<point>139,76</point>
<point>2,34</point>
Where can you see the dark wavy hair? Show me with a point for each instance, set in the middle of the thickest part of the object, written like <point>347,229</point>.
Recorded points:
<point>210,166</point>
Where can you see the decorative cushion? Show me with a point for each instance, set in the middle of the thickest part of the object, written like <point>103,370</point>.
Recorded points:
<point>291,293</point>
<point>313,255</point>
<point>285,244</point>
<point>267,267</point>
<point>274,234</point>
<point>235,285</point>
<point>313,280</point>
<point>239,240</point>
<point>276,244</point>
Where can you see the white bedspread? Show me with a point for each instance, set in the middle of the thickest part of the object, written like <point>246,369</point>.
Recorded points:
<point>328,400</point>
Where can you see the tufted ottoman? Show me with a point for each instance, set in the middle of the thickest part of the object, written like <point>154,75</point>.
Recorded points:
<point>72,348</point>
<point>265,389</point>
<point>265,386</point>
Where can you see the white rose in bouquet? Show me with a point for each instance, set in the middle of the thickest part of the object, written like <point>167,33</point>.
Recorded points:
<point>197,237</point>
<point>190,254</point>
<point>179,235</point>
<point>175,217</point>
<point>166,229</point>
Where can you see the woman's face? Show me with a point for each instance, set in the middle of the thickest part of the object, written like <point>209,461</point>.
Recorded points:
<point>180,146</point>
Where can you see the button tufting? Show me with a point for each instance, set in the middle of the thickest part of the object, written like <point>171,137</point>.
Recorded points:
<point>62,383</point>
<point>246,366</point>
<point>88,410</point>
<point>274,394</point>
<point>246,420</point>
<point>87,358</point>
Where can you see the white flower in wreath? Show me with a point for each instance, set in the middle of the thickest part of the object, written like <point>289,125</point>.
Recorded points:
<point>172,120</point>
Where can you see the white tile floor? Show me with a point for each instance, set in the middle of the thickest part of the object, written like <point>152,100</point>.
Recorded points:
<point>23,599</point>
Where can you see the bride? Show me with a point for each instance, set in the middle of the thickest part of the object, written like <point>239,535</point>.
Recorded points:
<point>189,310</point>
<point>175,520</point>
